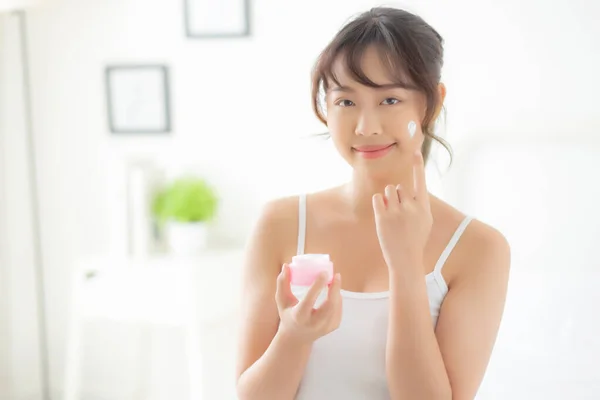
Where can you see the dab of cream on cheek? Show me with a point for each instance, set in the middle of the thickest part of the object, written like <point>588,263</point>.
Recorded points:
<point>412,128</point>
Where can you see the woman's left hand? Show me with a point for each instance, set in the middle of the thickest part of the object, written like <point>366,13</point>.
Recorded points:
<point>403,220</point>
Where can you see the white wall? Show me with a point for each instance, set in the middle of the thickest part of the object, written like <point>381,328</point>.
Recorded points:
<point>4,363</point>
<point>545,202</point>
<point>19,341</point>
<point>513,68</point>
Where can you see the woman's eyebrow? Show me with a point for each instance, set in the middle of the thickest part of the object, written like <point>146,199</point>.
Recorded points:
<point>386,86</point>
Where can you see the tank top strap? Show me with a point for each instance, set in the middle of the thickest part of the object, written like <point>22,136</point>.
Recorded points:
<point>301,223</point>
<point>451,244</point>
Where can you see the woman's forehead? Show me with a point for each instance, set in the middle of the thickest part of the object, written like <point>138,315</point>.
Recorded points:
<point>373,67</point>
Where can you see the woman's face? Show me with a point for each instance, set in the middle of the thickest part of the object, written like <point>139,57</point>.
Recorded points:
<point>369,125</point>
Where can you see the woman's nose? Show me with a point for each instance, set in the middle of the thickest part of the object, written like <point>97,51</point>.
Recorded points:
<point>367,125</point>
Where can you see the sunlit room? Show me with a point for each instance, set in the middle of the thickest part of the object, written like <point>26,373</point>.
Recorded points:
<point>166,165</point>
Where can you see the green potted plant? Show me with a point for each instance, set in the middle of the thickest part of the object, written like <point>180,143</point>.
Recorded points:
<point>184,207</point>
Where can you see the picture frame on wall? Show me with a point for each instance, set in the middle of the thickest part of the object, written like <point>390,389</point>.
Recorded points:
<point>217,18</point>
<point>138,99</point>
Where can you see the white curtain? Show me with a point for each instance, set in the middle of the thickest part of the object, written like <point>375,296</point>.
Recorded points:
<point>19,334</point>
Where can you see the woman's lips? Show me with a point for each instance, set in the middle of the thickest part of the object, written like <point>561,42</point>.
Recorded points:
<point>373,151</point>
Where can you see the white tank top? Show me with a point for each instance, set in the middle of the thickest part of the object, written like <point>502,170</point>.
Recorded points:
<point>349,363</point>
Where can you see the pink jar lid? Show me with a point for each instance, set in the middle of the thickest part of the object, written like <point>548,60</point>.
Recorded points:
<point>311,259</point>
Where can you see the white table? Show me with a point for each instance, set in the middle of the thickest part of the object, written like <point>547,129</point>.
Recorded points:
<point>188,292</point>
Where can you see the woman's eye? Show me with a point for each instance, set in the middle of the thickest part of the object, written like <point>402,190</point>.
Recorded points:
<point>391,101</point>
<point>345,103</point>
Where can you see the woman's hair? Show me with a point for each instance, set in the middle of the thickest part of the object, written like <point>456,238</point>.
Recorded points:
<point>408,46</point>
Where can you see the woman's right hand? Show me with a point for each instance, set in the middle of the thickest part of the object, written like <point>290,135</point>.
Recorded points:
<point>299,319</point>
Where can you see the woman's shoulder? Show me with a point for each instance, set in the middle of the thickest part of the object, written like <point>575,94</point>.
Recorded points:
<point>484,249</point>
<point>287,207</point>
<point>480,244</point>
<point>279,216</point>
<point>273,230</point>
<point>280,208</point>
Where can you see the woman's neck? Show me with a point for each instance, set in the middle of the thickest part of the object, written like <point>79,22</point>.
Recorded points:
<point>360,190</point>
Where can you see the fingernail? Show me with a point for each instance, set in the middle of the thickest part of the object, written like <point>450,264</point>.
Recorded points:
<point>412,128</point>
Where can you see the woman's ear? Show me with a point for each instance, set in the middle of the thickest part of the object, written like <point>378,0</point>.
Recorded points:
<point>441,97</point>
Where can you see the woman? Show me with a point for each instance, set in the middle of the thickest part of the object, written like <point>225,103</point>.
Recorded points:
<point>419,290</point>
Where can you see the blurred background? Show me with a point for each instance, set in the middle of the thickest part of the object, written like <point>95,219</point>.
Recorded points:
<point>139,139</point>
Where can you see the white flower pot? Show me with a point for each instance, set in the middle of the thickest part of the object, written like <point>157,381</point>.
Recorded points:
<point>187,238</point>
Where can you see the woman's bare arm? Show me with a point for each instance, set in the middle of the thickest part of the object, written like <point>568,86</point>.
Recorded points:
<point>270,363</point>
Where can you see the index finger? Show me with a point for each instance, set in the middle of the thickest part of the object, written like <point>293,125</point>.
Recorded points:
<point>284,296</point>
<point>334,296</point>
<point>419,176</point>
<point>307,303</point>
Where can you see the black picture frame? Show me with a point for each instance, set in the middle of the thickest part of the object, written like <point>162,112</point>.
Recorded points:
<point>157,107</point>
<point>191,32</point>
